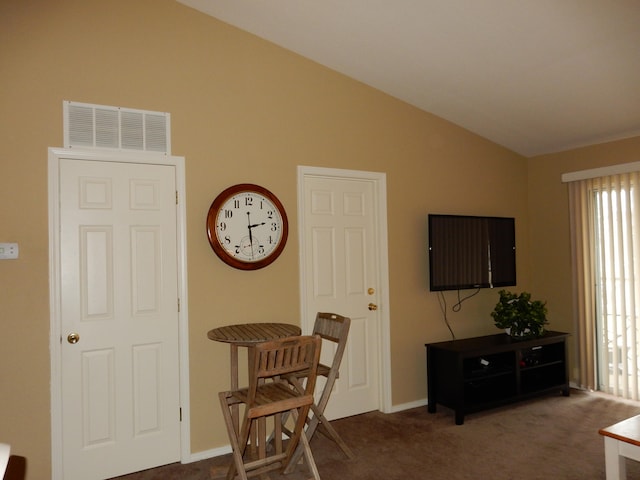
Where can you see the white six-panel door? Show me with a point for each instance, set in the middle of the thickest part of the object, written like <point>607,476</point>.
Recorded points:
<point>341,268</point>
<point>119,318</point>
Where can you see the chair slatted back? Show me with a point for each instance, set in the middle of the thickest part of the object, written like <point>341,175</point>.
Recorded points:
<point>331,326</point>
<point>284,357</point>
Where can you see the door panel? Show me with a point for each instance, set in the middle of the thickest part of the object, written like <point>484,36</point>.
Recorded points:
<point>119,293</point>
<point>341,266</point>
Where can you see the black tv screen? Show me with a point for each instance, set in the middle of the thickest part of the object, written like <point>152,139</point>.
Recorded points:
<point>471,252</point>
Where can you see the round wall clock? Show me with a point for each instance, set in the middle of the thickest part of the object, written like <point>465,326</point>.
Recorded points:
<point>247,226</point>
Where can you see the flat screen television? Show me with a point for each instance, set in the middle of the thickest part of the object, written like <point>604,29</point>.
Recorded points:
<point>471,252</point>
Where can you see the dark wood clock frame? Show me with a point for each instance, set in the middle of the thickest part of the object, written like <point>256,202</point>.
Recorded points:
<point>211,226</point>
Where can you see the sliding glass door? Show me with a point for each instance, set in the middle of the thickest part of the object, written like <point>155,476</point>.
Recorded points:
<point>616,238</point>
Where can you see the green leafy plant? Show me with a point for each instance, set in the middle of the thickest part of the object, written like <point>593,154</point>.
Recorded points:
<point>519,315</point>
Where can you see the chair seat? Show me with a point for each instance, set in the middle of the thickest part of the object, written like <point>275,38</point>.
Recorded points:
<point>271,398</point>
<point>323,370</point>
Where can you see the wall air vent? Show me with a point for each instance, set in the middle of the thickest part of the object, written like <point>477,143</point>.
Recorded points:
<point>100,126</point>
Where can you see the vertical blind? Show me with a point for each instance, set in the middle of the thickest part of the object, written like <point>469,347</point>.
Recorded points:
<point>605,217</point>
<point>617,278</point>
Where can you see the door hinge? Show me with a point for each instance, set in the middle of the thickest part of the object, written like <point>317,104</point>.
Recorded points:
<point>180,413</point>
<point>178,305</point>
<point>176,197</point>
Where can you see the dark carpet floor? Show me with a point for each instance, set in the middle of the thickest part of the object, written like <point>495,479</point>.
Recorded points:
<point>551,437</point>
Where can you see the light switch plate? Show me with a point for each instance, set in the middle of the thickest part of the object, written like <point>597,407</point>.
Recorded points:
<point>8,251</point>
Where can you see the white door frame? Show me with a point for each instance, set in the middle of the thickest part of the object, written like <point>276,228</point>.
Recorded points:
<point>55,334</point>
<point>380,203</point>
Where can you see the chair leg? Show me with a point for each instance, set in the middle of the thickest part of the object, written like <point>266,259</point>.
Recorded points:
<point>329,431</point>
<point>303,448</point>
<point>277,432</point>
<point>319,420</point>
<point>311,463</point>
<point>234,438</point>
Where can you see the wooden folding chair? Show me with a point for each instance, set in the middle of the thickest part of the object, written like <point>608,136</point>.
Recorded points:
<point>333,328</point>
<point>267,395</point>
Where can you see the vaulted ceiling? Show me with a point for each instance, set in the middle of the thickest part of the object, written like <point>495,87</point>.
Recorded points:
<point>536,76</point>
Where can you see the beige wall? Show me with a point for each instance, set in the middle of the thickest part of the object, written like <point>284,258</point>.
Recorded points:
<point>242,110</point>
<point>549,220</point>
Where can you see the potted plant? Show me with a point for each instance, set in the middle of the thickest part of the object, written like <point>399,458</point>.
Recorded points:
<point>519,316</point>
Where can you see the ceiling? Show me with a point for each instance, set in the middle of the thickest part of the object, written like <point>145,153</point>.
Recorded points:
<point>536,76</point>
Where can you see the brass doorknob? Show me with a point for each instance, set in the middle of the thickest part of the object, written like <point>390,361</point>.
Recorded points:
<point>73,338</point>
<point>373,306</point>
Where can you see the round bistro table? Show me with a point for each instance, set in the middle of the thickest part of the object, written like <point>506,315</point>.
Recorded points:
<point>247,335</point>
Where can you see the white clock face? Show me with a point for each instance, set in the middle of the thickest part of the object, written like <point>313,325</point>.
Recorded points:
<point>247,226</point>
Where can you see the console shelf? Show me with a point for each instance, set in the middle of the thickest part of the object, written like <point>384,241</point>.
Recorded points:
<point>484,372</point>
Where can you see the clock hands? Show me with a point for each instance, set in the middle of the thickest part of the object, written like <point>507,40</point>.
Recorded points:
<point>250,235</point>
<point>250,227</point>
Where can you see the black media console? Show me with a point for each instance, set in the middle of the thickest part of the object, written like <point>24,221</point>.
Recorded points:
<point>478,373</point>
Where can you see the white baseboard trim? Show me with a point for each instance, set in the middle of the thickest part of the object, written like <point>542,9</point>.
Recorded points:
<point>407,406</point>
<point>214,452</point>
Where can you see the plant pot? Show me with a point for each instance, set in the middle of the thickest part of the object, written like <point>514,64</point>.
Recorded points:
<point>525,335</point>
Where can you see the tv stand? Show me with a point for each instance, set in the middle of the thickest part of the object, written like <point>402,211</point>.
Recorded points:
<point>478,373</point>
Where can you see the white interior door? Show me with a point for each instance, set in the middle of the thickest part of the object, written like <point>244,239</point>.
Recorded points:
<point>342,273</point>
<point>119,297</point>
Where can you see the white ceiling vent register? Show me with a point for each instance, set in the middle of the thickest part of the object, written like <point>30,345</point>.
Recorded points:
<point>100,126</point>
